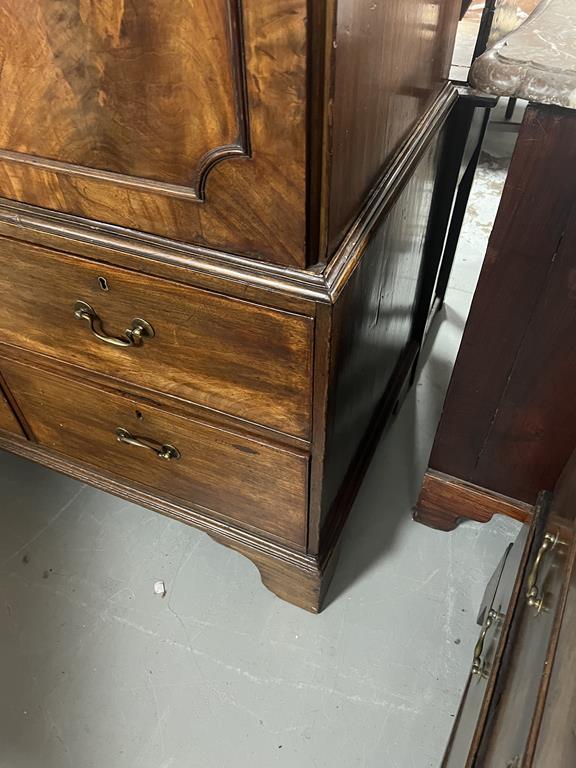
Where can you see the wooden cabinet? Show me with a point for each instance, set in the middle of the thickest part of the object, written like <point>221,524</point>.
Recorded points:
<point>215,228</point>
<point>210,122</point>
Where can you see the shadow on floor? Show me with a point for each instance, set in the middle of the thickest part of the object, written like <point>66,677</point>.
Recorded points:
<point>392,483</point>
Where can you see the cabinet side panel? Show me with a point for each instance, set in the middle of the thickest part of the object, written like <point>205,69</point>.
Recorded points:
<point>509,419</point>
<point>392,59</point>
<point>372,344</point>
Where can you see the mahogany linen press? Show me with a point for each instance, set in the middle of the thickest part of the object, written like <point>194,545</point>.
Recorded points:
<point>215,232</point>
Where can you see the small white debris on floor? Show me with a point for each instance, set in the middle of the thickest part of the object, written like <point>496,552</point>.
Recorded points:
<point>160,588</point>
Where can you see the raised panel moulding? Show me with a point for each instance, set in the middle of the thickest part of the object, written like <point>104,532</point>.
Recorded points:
<point>118,77</point>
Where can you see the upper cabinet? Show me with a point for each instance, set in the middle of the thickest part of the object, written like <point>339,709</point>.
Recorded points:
<point>255,127</point>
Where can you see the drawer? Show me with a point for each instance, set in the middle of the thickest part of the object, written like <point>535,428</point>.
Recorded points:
<point>506,742</point>
<point>8,421</point>
<point>226,354</point>
<point>471,716</point>
<point>240,479</point>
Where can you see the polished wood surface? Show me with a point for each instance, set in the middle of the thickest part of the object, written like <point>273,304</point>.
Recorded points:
<point>224,354</point>
<point>525,719</point>
<point>509,419</point>
<point>556,743</point>
<point>471,718</point>
<point>132,71</point>
<point>261,127</point>
<point>213,226</point>
<point>373,323</point>
<point>523,670</point>
<point>383,83</point>
<point>445,501</point>
<point>245,480</point>
<point>8,420</point>
<point>295,576</point>
<point>217,81</point>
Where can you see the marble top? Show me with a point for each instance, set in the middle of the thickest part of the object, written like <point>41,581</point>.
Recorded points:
<point>537,61</point>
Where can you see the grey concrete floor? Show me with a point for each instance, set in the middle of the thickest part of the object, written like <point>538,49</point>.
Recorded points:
<point>96,671</point>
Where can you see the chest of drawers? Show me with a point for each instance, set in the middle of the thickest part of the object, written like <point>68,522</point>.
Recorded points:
<point>214,233</point>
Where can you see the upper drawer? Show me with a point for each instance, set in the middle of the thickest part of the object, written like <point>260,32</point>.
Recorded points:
<point>243,359</point>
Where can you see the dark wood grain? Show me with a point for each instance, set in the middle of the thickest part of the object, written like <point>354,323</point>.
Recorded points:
<point>373,324</point>
<point>391,60</point>
<point>300,118</point>
<point>132,72</point>
<point>445,501</point>
<point>196,158</point>
<point>509,420</point>
<point>8,420</point>
<point>555,745</point>
<point>525,717</point>
<point>224,354</point>
<point>528,657</point>
<point>154,93</point>
<point>243,480</point>
<point>474,708</point>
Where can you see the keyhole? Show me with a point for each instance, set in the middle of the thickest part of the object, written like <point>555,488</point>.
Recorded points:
<point>139,415</point>
<point>103,283</point>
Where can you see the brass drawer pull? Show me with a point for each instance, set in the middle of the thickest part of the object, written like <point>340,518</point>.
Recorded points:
<point>477,662</point>
<point>133,336</point>
<point>534,596</point>
<point>166,452</point>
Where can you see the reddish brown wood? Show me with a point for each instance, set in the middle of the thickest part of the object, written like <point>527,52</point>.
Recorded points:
<point>189,182</point>
<point>383,83</point>
<point>221,353</point>
<point>8,420</point>
<point>296,577</point>
<point>552,743</point>
<point>217,80</point>
<point>509,420</point>
<point>371,351</point>
<point>244,480</point>
<point>523,717</point>
<point>445,501</point>
<point>261,125</point>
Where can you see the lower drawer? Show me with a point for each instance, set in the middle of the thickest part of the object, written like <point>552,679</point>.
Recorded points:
<point>237,478</point>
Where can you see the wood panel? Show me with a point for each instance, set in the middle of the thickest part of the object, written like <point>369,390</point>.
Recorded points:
<point>155,93</point>
<point>373,324</point>
<point>509,420</point>
<point>520,679</point>
<point>391,60</point>
<point>240,479</point>
<point>221,353</point>
<point>445,501</point>
<point>556,743</point>
<point>8,420</point>
<point>473,711</point>
<point>136,93</point>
